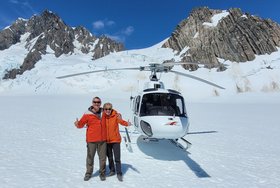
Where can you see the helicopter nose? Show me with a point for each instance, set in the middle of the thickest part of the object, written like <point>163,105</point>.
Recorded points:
<point>146,128</point>
<point>164,126</point>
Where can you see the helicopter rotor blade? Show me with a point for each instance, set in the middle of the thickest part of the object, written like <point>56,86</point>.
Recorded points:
<point>171,63</point>
<point>197,78</point>
<point>89,72</point>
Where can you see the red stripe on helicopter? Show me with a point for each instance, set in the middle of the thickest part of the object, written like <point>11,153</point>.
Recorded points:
<point>171,123</point>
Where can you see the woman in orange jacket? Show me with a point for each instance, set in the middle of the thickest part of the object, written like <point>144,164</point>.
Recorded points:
<point>111,119</point>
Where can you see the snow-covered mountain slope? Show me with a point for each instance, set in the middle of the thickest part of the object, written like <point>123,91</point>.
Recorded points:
<point>258,76</point>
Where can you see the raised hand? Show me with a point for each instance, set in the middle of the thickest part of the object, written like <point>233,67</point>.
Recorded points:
<point>129,123</point>
<point>76,122</point>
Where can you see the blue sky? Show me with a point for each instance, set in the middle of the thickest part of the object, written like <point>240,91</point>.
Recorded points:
<point>136,23</point>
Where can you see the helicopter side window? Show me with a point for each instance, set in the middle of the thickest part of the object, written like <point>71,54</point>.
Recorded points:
<point>137,103</point>
<point>146,104</point>
<point>179,106</point>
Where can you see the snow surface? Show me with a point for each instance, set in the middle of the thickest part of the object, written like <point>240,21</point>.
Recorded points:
<point>233,145</point>
<point>234,132</point>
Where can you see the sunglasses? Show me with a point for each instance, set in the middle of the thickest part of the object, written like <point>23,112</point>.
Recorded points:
<point>107,108</point>
<point>97,102</point>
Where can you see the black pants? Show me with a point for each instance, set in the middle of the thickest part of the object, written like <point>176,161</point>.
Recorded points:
<point>114,152</point>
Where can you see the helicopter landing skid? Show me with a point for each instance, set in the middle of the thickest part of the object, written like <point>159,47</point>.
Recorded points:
<point>127,144</point>
<point>148,139</point>
<point>127,141</point>
<point>181,143</point>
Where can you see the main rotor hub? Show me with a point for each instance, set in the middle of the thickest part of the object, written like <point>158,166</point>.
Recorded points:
<point>154,68</point>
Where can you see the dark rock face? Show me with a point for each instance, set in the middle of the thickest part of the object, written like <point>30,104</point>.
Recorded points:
<point>48,29</point>
<point>236,37</point>
<point>10,36</point>
<point>104,46</point>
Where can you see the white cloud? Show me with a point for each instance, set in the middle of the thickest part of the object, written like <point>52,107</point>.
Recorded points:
<point>19,10</point>
<point>118,38</point>
<point>121,36</point>
<point>110,23</point>
<point>106,26</point>
<point>98,24</point>
<point>23,7</point>
<point>128,31</point>
<point>101,24</point>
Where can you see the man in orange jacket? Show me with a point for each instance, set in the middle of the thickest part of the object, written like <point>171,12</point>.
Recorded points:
<point>95,138</point>
<point>111,119</point>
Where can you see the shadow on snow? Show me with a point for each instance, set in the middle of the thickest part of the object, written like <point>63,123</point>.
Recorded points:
<point>165,150</point>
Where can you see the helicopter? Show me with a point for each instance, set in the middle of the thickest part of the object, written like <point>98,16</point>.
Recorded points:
<point>159,113</point>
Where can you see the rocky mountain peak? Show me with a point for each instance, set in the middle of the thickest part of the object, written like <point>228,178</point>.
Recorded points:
<point>48,29</point>
<point>207,35</point>
<point>44,23</point>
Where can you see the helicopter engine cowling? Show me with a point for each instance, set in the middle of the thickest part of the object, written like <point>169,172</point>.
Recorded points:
<point>153,85</point>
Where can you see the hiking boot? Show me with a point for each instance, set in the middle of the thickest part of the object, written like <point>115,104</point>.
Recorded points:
<point>111,173</point>
<point>87,177</point>
<point>102,177</point>
<point>120,177</point>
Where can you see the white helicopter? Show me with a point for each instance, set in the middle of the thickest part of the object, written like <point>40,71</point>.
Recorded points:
<point>159,113</point>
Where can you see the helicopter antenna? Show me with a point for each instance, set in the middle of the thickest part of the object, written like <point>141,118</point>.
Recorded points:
<point>131,97</point>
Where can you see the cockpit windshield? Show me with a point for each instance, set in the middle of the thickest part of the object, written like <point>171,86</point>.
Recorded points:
<point>162,104</point>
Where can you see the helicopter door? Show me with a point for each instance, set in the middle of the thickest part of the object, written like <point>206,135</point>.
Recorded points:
<point>136,105</point>
<point>136,110</point>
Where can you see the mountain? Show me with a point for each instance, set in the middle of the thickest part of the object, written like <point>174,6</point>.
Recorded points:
<point>209,35</point>
<point>48,30</point>
<point>55,59</point>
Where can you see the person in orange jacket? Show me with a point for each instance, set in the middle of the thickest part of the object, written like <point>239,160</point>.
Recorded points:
<point>111,119</point>
<point>95,138</point>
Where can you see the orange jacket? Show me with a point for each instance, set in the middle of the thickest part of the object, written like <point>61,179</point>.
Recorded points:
<point>112,126</point>
<point>96,131</point>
